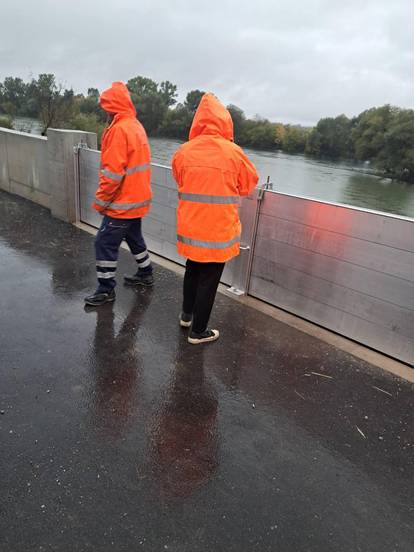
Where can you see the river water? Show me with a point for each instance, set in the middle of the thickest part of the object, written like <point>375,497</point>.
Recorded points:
<point>26,124</point>
<point>299,175</point>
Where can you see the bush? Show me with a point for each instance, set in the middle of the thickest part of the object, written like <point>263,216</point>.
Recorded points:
<point>258,133</point>
<point>6,122</point>
<point>294,139</point>
<point>87,123</point>
<point>177,123</point>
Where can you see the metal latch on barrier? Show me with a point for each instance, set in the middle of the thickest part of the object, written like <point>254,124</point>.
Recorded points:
<point>80,145</point>
<point>266,186</point>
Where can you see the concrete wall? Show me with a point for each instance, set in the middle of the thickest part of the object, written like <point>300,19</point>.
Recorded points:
<point>42,169</point>
<point>24,166</point>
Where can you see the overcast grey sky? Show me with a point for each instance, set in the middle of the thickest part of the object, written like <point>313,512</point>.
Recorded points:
<point>288,60</point>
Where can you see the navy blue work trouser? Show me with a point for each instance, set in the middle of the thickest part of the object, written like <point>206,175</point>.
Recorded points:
<point>107,244</point>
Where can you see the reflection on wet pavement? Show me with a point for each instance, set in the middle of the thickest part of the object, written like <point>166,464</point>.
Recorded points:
<point>184,437</point>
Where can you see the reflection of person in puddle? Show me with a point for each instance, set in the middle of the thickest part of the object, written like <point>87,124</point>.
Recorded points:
<point>116,365</point>
<point>184,441</point>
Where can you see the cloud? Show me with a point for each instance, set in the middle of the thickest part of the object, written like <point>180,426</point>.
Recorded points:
<point>292,61</point>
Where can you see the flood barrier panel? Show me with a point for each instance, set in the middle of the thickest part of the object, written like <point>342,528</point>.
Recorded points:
<point>349,270</point>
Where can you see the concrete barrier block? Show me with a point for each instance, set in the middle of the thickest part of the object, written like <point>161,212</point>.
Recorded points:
<point>61,164</point>
<point>4,165</point>
<point>28,192</point>
<point>27,161</point>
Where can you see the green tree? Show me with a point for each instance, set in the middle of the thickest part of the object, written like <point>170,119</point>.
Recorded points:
<point>151,101</point>
<point>93,93</point>
<point>370,128</point>
<point>192,99</point>
<point>313,143</point>
<point>396,157</point>
<point>177,123</point>
<point>90,104</point>
<point>259,133</point>
<point>280,132</point>
<point>239,120</point>
<point>142,86</point>
<point>294,139</point>
<point>13,94</point>
<point>16,98</point>
<point>55,104</point>
<point>332,138</point>
<point>168,93</point>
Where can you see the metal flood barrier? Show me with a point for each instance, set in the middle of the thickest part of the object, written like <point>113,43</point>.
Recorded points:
<point>347,269</point>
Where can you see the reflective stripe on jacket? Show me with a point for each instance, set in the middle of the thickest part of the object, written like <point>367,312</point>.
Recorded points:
<point>125,175</point>
<point>212,173</point>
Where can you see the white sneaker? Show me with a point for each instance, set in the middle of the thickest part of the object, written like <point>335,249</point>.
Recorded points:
<point>205,337</point>
<point>186,320</point>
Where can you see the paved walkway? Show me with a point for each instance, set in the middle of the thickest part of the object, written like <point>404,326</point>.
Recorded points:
<point>119,436</point>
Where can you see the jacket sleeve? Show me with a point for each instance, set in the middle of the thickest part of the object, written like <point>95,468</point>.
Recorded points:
<point>176,166</point>
<point>114,160</point>
<point>248,177</point>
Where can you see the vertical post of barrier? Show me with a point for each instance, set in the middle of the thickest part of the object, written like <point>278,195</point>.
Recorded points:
<point>77,180</point>
<point>76,160</point>
<point>250,220</point>
<point>268,185</point>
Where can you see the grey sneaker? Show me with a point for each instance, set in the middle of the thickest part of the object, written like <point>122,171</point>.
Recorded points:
<point>205,337</point>
<point>186,320</point>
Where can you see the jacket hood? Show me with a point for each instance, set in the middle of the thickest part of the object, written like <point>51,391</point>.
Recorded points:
<point>117,100</point>
<point>212,117</point>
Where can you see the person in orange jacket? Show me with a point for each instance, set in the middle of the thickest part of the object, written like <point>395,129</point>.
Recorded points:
<point>124,194</point>
<point>212,173</point>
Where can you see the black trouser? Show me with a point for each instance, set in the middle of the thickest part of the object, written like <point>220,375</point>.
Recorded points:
<point>201,281</point>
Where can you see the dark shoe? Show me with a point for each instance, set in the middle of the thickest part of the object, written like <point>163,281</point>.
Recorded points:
<point>100,298</point>
<point>186,320</point>
<point>139,279</point>
<point>205,337</point>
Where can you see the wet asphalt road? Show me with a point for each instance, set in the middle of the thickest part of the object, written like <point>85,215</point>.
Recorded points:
<point>119,436</point>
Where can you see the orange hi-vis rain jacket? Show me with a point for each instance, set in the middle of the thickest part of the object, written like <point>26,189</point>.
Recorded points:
<point>125,175</point>
<point>212,173</point>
